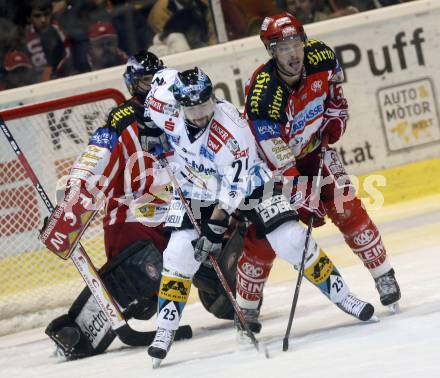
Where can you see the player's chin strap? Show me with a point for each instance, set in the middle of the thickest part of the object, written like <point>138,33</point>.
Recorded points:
<point>315,192</point>
<point>83,263</point>
<point>226,287</point>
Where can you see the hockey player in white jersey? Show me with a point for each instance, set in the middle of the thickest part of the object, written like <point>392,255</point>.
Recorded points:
<point>219,171</point>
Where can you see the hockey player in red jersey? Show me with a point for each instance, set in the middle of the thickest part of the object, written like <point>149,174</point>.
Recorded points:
<point>293,103</point>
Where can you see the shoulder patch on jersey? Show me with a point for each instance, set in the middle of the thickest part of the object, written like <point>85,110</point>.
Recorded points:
<point>162,107</point>
<point>267,97</point>
<point>121,117</point>
<point>318,57</point>
<point>104,137</point>
<point>265,129</point>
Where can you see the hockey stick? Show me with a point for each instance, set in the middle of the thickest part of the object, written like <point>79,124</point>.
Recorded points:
<point>306,246</point>
<point>85,266</point>
<point>212,259</point>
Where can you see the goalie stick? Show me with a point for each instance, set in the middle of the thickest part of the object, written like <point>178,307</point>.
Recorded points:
<point>306,246</point>
<point>164,162</point>
<point>88,272</point>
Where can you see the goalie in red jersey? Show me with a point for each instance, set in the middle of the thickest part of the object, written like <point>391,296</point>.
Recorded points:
<point>293,103</point>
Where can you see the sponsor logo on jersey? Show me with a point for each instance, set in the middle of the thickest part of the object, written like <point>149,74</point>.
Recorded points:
<point>156,105</point>
<point>169,125</point>
<point>266,129</point>
<point>276,103</point>
<point>364,238</point>
<point>104,138</point>
<point>173,139</point>
<point>320,54</point>
<point>260,84</point>
<point>121,113</point>
<point>195,168</point>
<point>220,132</point>
<point>252,270</point>
<point>214,144</point>
<point>233,146</point>
<point>241,154</point>
<point>316,86</point>
<point>314,109</point>
<point>206,153</point>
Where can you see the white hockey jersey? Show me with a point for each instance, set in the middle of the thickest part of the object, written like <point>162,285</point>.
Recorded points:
<point>220,163</point>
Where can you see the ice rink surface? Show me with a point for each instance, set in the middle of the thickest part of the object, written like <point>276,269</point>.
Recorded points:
<point>324,343</point>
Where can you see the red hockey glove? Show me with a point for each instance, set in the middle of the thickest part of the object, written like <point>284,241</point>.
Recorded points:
<point>301,202</point>
<point>334,120</point>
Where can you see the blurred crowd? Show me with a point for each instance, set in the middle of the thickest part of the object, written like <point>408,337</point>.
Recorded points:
<point>46,39</point>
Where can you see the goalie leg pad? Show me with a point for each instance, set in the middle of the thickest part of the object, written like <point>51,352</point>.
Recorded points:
<point>133,280</point>
<point>211,292</point>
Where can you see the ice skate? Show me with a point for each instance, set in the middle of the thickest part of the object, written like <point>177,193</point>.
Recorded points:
<point>161,345</point>
<point>251,317</point>
<point>356,307</point>
<point>389,291</point>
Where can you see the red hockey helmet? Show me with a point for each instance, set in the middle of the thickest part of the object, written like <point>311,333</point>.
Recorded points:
<point>280,27</point>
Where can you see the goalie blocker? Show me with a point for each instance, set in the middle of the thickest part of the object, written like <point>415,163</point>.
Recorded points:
<point>133,278</point>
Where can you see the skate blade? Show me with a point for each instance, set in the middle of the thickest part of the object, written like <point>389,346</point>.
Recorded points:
<point>373,319</point>
<point>242,338</point>
<point>394,308</point>
<point>156,363</point>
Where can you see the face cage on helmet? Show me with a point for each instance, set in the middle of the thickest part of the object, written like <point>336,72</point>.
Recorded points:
<point>138,85</point>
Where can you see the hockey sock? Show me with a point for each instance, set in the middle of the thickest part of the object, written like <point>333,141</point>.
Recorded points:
<point>173,295</point>
<point>322,273</point>
<point>252,274</point>
<point>361,235</point>
<point>253,270</point>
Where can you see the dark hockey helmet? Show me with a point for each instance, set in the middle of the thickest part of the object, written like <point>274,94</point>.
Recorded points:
<point>192,87</point>
<point>139,72</point>
<point>280,27</point>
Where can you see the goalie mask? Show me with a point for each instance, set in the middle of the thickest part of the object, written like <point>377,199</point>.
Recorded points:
<point>139,72</point>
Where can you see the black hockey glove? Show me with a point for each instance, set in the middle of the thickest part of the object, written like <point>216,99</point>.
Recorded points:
<point>210,241</point>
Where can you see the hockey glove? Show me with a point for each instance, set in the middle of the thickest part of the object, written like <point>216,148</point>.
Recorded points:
<point>334,120</point>
<point>210,240</point>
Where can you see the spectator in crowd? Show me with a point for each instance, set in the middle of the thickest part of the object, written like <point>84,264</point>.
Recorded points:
<point>308,11</point>
<point>133,32</point>
<point>235,19</point>
<point>185,30</point>
<point>75,23</point>
<point>255,11</point>
<point>163,10</point>
<point>9,37</point>
<point>46,43</point>
<point>19,70</point>
<point>103,49</point>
